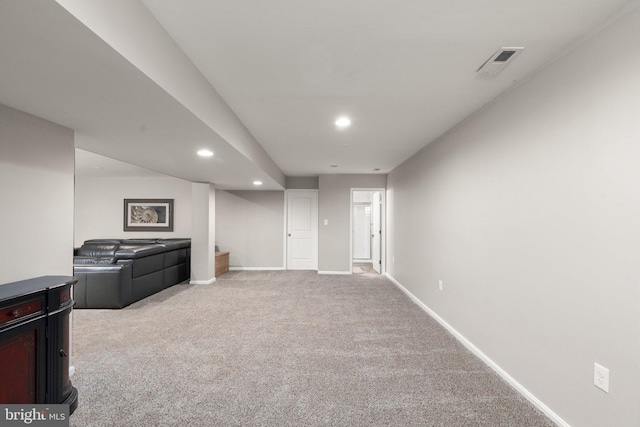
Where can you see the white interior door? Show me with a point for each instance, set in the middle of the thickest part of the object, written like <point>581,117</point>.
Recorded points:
<point>302,230</point>
<point>376,231</point>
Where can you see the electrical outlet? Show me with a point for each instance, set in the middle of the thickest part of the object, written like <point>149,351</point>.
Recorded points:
<point>601,377</point>
<point>440,284</point>
<point>393,258</point>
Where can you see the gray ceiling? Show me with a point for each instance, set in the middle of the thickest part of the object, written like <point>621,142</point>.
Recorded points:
<point>261,83</point>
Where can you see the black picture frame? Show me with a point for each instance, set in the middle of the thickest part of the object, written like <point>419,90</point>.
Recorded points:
<point>148,214</point>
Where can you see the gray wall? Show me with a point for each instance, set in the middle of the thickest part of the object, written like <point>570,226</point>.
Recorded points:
<point>530,214</point>
<point>334,205</point>
<point>99,206</point>
<point>250,225</point>
<point>302,182</point>
<point>36,189</point>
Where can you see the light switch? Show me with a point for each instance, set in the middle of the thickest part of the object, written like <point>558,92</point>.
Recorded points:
<point>326,222</point>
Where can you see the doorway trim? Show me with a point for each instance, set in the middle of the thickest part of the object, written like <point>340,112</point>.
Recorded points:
<point>383,227</point>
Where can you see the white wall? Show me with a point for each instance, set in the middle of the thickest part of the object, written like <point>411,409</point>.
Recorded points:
<point>250,225</point>
<point>203,196</point>
<point>36,189</point>
<point>530,214</point>
<point>334,205</point>
<point>302,183</point>
<point>99,206</point>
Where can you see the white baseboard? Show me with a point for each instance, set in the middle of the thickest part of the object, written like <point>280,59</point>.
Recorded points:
<point>475,350</point>
<point>202,282</point>
<point>256,268</point>
<point>334,272</point>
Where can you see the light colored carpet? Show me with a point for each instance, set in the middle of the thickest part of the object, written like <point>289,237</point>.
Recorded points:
<point>283,348</point>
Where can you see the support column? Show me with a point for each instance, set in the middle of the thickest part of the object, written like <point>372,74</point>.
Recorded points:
<point>203,233</point>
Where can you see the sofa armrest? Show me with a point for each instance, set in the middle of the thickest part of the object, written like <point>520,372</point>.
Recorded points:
<point>93,260</point>
<point>175,243</point>
<point>135,251</point>
<point>102,285</point>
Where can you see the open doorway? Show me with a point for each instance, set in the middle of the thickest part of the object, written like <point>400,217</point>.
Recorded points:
<point>367,230</point>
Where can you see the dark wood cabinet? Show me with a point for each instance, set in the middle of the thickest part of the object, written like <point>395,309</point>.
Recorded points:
<point>34,342</point>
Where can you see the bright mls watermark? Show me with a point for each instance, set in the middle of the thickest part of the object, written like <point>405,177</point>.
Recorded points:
<point>34,415</point>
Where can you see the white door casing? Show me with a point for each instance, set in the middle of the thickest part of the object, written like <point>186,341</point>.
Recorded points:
<point>376,231</point>
<point>302,229</point>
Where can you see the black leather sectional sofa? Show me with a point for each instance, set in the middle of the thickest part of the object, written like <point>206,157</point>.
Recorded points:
<point>114,273</point>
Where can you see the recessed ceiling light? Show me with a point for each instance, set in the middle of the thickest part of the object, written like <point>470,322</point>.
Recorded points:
<point>343,122</point>
<point>257,182</point>
<point>205,153</point>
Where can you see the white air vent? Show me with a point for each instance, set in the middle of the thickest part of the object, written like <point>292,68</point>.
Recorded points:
<point>499,60</point>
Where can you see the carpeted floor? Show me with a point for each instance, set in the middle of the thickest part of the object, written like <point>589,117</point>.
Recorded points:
<point>283,348</point>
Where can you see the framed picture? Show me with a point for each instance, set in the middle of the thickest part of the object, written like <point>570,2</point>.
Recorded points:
<point>148,214</point>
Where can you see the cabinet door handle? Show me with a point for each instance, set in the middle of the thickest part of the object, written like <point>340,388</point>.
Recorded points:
<point>16,313</point>
<point>63,353</point>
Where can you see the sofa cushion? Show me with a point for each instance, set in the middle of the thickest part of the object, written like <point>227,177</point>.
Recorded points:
<point>171,258</point>
<point>147,265</point>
